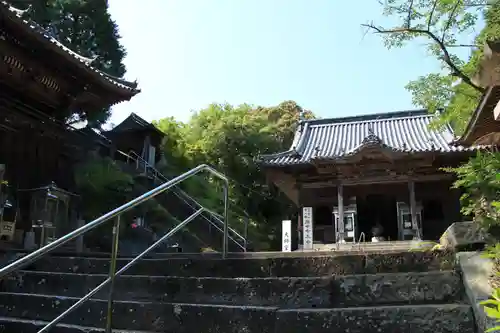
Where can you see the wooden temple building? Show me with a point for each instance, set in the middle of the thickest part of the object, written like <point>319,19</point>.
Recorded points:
<point>42,83</point>
<point>483,127</point>
<point>380,170</point>
<point>136,136</point>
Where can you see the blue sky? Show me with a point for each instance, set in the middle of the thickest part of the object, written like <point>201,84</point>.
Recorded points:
<point>187,54</point>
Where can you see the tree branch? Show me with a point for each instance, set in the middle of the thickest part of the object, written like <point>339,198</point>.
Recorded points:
<point>462,45</point>
<point>431,14</point>
<point>410,9</point>
<point>446,55</point>
<point>450,19</point>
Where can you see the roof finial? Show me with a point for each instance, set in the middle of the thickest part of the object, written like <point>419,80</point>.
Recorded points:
<point>317,149</point>
<point>370,130</point>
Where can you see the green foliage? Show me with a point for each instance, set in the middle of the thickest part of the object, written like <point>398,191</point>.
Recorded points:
<point>229,138</point>
<point>479,178</point>
<point>492,305</point>
<point>447,26</point>
<point>102,185</point>
<point>86,27</point>
<point>492,309</point>
<point>492,252</point>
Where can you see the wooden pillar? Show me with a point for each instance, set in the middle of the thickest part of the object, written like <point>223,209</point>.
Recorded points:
<point>413,208</point>
<point>299,227</point>
<point>340,202</point>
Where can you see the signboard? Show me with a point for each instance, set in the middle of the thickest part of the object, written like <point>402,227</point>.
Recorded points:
<point>307,222</point>
<point>286,236</point>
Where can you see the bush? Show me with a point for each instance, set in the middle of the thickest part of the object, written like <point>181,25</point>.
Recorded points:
<point>479,179</point>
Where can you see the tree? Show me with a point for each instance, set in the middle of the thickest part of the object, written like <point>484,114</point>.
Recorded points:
<point>448,27</point>
<point>229,138</point>
<point>86,27</point>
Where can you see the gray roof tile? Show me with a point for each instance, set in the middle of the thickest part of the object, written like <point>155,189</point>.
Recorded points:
<point>17,15</point>
<point>405,131</point>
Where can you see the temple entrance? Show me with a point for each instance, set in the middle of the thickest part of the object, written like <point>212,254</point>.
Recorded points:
<point>377,208</point>
<point>323,225</point>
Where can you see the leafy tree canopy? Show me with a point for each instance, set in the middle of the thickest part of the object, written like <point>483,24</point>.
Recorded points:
<point>449,28</point>
<point>229,138</point>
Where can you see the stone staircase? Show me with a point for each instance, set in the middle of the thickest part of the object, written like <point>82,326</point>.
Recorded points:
<point>255,293</point>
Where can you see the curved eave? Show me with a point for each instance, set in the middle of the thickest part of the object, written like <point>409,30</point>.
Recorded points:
<point>121,87</point>
<point>480,116</point>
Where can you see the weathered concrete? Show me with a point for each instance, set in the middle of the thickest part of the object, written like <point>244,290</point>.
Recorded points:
<point>337,291</point>
<point>12,325</point>
<point>389,319</point>
<point>464,236</point>
<point>397,288</point>
<point>261,267</point>
<point>165,317</point>
<point>156,317</point>
<point>476,271</point>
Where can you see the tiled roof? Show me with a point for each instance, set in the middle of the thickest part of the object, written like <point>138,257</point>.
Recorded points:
<point>16,16</point>
<point>132,123</point>
<point>405,131</point>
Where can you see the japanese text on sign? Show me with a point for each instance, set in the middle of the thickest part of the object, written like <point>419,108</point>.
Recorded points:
<point>307,224</point>
<point>286,237</point>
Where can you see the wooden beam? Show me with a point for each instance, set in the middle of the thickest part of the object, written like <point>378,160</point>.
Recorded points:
<point>413,208</point>
<point>340,199</point>
<point>378,180</point>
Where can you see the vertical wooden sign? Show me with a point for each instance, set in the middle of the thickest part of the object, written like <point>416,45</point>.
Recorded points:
<point>286,236</point>
<point>307,222</point>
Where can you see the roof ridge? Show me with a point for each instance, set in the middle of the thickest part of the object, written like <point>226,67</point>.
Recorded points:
<point>370,121</point>
<point>372,117</point>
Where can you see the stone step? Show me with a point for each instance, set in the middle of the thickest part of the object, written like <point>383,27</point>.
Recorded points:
<point>261,267</point>
<point>184,318</point>
<point>448,318</point>
<point>326,292</point>
<point>385,246</point>
<point>143,316</point>
<point>16,325</point>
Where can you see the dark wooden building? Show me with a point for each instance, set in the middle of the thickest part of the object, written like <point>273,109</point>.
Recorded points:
<point>136,135</point>
<point>41,83</point>
<point>381,169</point>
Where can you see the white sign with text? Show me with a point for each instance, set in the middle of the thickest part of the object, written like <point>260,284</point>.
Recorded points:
<point>307,223</point>
<point>286,236</point>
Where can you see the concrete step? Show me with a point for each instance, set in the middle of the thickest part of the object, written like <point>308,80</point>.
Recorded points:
<point>447,318</point>
<point>143,316</point>
<point>184,318</point>
<point>300,266</point>
<point>331,291</point>
<point>385,246</point>
<point>16,325</point>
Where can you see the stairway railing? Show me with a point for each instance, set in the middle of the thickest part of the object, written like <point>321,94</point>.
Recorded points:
<point>217,221</point>
<point>116,213</point>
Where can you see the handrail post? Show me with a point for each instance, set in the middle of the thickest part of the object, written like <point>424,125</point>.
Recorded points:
<point>245,233</point>
<point>112,272</point>
<point>226,220</point>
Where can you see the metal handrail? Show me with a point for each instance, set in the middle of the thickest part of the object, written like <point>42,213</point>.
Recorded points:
<point>26,260</point>
<point>219,218</point>
<point>111,279</point>
<point>182,195</point>
<point>361,236</point>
